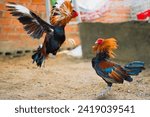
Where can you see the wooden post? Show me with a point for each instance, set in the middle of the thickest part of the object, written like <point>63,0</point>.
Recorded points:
<point>48,8</point>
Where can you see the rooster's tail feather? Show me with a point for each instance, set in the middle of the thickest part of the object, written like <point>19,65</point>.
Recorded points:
<point>38,57</point>
<point>134,68</point>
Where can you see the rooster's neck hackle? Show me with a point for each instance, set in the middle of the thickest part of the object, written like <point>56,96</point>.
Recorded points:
<point>106,48</point>
<point>62,15</point>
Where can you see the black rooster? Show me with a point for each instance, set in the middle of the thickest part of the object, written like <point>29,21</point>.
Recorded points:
<point>112,72</point>
<point>61,14</point>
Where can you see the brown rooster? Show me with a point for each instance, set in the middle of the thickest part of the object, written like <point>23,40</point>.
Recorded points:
<point>61,14</point>
<point>112,72</point>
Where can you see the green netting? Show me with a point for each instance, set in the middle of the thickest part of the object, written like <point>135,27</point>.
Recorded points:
<point>53,2</point>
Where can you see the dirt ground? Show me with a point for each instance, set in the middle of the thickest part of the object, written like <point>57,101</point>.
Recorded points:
<point>63,78</point>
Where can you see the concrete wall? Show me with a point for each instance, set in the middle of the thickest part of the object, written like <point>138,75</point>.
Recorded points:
<point>133,39</point>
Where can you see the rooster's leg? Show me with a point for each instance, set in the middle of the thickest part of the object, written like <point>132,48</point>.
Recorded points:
<point>43,63</point>
<point>105,91</point>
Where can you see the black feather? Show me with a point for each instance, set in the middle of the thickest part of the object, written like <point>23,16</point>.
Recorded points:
<point>16,14</point>
<point>11,7</point>
<point>25,20</point>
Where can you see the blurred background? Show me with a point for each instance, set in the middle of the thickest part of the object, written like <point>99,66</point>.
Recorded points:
<point>97,18</point>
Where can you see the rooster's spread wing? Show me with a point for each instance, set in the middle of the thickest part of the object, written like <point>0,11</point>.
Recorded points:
<point>33,24</point>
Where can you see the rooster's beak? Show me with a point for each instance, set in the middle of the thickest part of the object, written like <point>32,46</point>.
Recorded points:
<point>96,42</point>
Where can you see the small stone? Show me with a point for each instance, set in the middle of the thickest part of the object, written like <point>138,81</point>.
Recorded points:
<point>129,91</point>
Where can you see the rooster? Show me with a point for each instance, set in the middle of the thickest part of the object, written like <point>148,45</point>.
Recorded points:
<point>61,13</point>
<point>112,72</point>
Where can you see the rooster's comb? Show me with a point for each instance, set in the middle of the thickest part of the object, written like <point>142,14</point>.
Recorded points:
<point>105,45</point>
